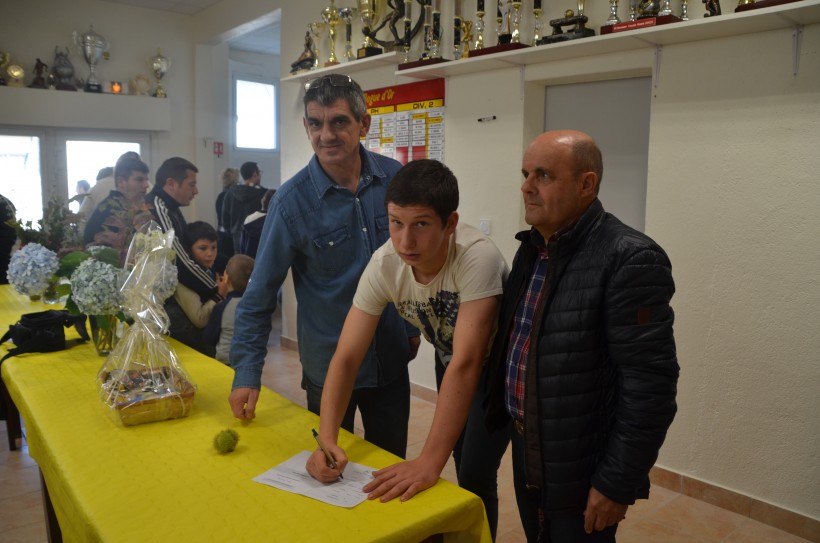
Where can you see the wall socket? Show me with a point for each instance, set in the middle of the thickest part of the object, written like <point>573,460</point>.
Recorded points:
<point>484,226</point>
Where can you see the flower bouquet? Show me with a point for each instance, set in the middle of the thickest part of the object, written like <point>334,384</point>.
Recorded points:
<point>142,379</point>
<point>32,269</point>
<point>95,290</point>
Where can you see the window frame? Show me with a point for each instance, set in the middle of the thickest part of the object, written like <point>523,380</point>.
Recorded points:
<point>254,78</point>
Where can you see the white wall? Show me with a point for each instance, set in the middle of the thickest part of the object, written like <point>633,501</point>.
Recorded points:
<point>734,199</point>
<point>731,195</point>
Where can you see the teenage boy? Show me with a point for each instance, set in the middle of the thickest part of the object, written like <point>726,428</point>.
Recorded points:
<point>446,279</point>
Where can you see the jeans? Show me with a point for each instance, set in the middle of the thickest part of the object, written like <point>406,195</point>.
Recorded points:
<point>385,412</point>
<point>478,453</point>
<point>537,527</point>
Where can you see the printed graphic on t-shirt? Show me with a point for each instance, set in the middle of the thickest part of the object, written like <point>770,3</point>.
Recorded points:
<point>436,316</point>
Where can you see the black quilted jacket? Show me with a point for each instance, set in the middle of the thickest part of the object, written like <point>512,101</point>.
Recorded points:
<point>602,372</point>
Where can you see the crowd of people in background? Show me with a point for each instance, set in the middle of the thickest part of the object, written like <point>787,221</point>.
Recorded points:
<point>568,354</point>
<point>124,197</point>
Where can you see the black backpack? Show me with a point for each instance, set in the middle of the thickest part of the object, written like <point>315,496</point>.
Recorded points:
<point>43,332</point>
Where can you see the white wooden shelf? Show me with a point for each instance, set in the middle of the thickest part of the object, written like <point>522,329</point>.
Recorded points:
<point>796,14</point>
<point>385,59</point>
<point>43,107</point>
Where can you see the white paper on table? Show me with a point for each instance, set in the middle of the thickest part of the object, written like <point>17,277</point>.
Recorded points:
<point>292,476</point>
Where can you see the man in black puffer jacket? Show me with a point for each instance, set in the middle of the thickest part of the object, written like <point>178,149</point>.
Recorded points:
<point>584,359</point>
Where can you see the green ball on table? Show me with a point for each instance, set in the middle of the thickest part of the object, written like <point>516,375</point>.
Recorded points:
<point>225,441</point>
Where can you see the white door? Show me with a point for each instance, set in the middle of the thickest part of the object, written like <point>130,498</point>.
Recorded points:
<point>616,114</point>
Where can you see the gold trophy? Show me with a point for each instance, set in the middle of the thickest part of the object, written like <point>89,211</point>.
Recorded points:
<point>159,67</point>
<point>368,15</point>
<point>316,31</point>
<point>330,15</point>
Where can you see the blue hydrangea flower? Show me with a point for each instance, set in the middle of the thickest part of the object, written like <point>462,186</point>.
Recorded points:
<point>95,288</point>
<point>31,269</point>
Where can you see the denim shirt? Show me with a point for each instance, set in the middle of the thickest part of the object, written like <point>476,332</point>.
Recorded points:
<point>325,234</point>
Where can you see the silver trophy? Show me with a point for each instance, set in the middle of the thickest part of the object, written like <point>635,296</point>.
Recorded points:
<point>92,46</point>
<point>347,15</point>
<point>159,67</point>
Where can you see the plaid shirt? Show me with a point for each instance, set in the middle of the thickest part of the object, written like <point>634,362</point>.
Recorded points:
<point>521,332</point>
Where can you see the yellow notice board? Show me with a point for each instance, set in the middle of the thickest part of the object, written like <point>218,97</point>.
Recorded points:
<point>407,121</point>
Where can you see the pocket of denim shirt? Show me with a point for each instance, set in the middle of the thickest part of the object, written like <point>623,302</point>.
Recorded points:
<point>334,250</point>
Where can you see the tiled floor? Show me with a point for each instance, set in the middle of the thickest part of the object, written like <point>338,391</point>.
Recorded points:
<point>667,517</point>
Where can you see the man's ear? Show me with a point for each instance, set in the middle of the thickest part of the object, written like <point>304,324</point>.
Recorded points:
<point>366,119</point>
<point>589,184</point>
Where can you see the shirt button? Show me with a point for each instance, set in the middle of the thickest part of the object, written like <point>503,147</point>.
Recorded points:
<point>331,244</point>
<point>364,229</point>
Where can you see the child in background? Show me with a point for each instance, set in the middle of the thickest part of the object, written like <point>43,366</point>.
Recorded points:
<point>232,284</point>
<point>188,312</point>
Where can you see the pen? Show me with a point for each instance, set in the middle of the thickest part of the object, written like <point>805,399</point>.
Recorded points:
<point>330,459</point>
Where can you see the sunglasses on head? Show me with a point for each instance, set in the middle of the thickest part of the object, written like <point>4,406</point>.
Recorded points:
<point>333,80</point>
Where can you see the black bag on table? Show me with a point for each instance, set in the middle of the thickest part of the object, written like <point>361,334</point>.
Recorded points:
<point>43,332</point>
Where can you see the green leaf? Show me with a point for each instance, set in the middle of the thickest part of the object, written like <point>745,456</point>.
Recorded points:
<point>71,306</point>
<point>70,262</point>
<point>109,256</point>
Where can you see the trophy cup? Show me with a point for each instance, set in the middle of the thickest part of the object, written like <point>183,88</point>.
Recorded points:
<point>330,16</point>
<point>466,38</point>
<point>536,25</point>
<point>633,10</point>
<point>684,11</point>
<point>458,23</point>
<point>92,46</point>
<point>346,15</point>
<point>613,18</point>
<point>316,31</point>
<point>435,41</point>
<point>479,26</point>
<point>407,19</point>
<point>63,70</point>
<point>427,30</point>
<point>159,66</point>
<point>367,14</point>
<point>516,22</point>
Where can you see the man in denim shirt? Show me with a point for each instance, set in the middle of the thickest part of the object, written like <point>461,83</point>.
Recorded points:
<point>323,225</point>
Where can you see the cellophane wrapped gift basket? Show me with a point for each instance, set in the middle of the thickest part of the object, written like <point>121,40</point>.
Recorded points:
<point>142,379</point>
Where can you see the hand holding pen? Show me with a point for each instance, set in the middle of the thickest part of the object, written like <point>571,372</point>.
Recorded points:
<point>327,463</point>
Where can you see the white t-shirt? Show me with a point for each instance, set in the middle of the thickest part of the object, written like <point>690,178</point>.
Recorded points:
<point>474,269</point>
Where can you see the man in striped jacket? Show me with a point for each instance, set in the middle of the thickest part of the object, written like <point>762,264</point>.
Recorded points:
<point>175,187</point>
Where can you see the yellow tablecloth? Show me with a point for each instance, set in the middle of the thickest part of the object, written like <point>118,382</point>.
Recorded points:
<point>165,482</point>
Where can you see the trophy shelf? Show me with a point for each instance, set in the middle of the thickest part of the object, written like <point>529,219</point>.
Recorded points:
<point>347,68</point>
<point>801,13</point>
<point>53,108</point>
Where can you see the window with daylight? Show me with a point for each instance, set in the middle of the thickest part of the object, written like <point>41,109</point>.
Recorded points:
<point>255,115</point>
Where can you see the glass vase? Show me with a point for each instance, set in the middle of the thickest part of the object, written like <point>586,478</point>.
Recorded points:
<point>50,294</point>
<point>104,333</point>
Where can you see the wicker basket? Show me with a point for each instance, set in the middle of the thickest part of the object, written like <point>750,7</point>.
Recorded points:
<point>138,406</point>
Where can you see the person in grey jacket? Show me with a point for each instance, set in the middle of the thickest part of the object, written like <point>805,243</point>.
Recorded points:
<point>584,361</point>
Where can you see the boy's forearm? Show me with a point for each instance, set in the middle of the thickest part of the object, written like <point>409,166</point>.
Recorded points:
<point>452,408</point>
